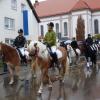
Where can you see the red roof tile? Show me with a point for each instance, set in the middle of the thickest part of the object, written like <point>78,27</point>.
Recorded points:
<point>93,4</point>
<point>80,5</point>
<point>54,7</point>
<point>58,7</point>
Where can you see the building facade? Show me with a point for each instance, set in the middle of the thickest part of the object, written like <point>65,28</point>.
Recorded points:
<point>64,15</point>
<point>16,14</point>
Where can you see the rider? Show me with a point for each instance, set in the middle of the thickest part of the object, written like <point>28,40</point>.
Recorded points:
<point>89,40</point>
<point>74,45</point>
<point>50,40</point>
<point>19,43</point>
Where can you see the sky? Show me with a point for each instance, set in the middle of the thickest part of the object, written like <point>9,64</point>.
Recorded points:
<point>38,0</point>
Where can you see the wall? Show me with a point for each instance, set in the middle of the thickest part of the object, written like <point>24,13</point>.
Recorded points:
<point>6,11</point>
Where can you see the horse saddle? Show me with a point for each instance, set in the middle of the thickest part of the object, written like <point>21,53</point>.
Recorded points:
<point>57,51</point>
<point>23,53</point>
<point>77,51</point>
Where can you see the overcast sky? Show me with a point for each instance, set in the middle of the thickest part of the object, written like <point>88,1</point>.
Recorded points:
<point>38,0</point>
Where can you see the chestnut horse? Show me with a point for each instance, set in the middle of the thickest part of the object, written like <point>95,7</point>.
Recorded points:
<point>11,58</point>
<point>42,60</point>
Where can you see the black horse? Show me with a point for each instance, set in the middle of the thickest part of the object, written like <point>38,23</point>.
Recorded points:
<point>90,52</point>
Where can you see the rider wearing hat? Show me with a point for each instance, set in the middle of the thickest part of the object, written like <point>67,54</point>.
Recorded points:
<point>74,45</point>
<point>50,36</point>
<point>50,40</point>
<point>19,44</point>
<point>89,40</point>
<point>20,40</point>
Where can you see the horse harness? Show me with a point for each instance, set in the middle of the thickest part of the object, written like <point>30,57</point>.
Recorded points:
<point>94,47</point>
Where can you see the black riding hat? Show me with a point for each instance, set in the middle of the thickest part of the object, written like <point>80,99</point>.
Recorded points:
<point>20,31</point>
<point>50,24</point>
<point>89,34</point>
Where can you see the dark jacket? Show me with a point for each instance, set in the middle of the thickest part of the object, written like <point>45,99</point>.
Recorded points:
<point>19,42</point>
<point>89,41</point>
<point>74,44</point>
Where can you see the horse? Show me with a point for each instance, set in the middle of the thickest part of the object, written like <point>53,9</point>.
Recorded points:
<point>42,59</point>
<point>11,58</point>
<point>90,53</point>
<point>73,58</point>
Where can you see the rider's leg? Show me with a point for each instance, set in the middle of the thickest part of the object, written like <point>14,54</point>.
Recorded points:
<point>55,58</point>
<point>20,55</point>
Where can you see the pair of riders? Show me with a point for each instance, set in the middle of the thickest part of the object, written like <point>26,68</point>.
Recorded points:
<point>88,41</point>
<point>49,40</point>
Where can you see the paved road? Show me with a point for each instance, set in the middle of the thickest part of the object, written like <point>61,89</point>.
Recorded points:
<point>75,87</point>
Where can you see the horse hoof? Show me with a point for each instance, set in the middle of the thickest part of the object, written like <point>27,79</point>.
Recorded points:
<point>39,92</point>
<point>11,82</point>
<point>50,87</point>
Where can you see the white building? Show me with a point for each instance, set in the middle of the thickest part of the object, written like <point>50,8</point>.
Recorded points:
<point>64,14</point>
<point>16,14</point>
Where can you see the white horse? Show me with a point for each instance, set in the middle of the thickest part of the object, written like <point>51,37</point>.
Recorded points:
<point>73,59</point>
<point>42,60</point>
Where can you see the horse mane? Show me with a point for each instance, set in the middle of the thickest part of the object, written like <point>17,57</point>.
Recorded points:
<point>42,48</point>
<point>10,53</point>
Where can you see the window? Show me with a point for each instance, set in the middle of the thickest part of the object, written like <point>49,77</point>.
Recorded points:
<point>14,4</point>
<point>96,26</point>
<point>9,41</point>
<point>57,28</point>
<point>9,23</point>
<point>23,7</point>
<point>42,30</point>
<point>65,29</point>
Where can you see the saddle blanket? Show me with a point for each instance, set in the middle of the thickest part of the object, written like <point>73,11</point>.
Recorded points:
<point>24,52</point>
<point>57,51</point>
<point>94,47</point>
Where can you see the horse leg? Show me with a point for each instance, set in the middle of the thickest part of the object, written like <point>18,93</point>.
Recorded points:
<point>40,88</point>
<point>63,71</point>
<point>17,72</point>
<point>41,83</point>
<point>34,69</point>
<point>11,73</point>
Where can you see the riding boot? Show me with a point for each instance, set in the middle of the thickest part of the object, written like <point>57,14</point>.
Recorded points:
<point>25,60</point>
<point>56,60</point>
<point>76,52</point>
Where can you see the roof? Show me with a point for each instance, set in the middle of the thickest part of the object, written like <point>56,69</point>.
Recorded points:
<point>54,7</point>
<point>58,7</point>
<point>80,5</point>
<point>93,4</point>
<point>33,10</point>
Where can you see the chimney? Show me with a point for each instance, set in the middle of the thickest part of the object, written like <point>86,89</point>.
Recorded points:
<point>36,3</point>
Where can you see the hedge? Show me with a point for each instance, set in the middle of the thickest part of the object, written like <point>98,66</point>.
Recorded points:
<point>97,36</point>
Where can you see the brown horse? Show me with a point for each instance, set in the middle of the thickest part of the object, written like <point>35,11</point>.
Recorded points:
<point>42,60</point>
<point>11,58</point>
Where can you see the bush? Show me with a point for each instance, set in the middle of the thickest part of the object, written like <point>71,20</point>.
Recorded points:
<point>97,36</point>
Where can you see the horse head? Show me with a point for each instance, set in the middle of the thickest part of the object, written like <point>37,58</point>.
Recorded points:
<point>37,48</point>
